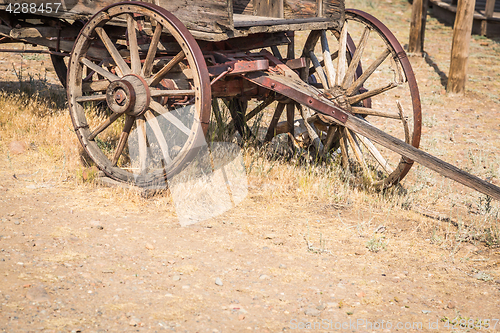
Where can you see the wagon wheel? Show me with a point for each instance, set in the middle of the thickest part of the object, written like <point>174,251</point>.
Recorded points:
<point>387,82</point>
<point>155,89</point>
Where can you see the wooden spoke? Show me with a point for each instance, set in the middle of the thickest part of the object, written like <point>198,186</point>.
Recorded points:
<point>95,86</point>
<point>319,70</point>
<point>343,149</point>
<point>155,79</point>
<point>357,152</point>
<point>342,59</point>
<point>117,57</point>
<point>375,112</point>
<point>103,126</point>
<point>351,70</point>
<point>157,107</point>
<point>276,52</point>
<point>290,117</point>
<point>374,92</point>
<point>327,59</point>
<point>98,69</point>
<point>91,98</point>
<point>260,107</point>
<point>367,73</point>
<point>322,63</point>
<point>332,135</point>
<point>251,114</point>
<point>153,123</point>
<point>311,130</point>
<point>272,126</point>
<point>405,123</point>
<point>135,60</point>
<point>123,139</point>
<point>375,153</point>
<point>157,93</point>
<point>143,148</point>
<point>153,46</point>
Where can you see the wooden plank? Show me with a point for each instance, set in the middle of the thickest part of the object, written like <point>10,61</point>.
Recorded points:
<point>206,15</point>
<point>243,7</point>
<point>417,26</point>
<point>488,13</point>
<point>460,46</point>
<point>443,168</point>
<point>335,10</point>
<point>300,8</point>
<point>243,21</point>
<point>268,8</point>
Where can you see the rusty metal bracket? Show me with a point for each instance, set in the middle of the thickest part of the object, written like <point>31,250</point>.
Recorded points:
<point>299,92</point>
<point>239,67</point>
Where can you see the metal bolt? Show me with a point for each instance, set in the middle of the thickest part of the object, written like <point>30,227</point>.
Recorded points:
<point>120,97</point>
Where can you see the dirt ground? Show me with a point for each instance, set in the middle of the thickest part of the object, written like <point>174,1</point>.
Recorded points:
<point>77,257</point>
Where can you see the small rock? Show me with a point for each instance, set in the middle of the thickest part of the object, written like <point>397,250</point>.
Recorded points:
<point>150,246</point>
<point>312,312</point>
<point>241,317</point>
<point>426,311</point>
<point>218,282</point>
<point>17,147</point>
<point>134,321</point>
<point>16,222</point>
<point>451,305</point>
<point>361,294</point>
<point>176,277</point>
<point>321,307</point>
<point>270,236</point>
<point>37,294</point>
<point>278,241</point>
<point>264,277</point>
<point>282,266</point>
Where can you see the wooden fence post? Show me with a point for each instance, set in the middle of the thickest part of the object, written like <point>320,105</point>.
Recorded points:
<point>417,26</point>
<point>488,13</point>
<point>460,46</point>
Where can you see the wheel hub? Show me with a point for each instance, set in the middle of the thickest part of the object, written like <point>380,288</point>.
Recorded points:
<point>338,95</point>
<point>129,95</point>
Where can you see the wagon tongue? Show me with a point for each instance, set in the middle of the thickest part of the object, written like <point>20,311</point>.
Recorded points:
<point>291,86</point>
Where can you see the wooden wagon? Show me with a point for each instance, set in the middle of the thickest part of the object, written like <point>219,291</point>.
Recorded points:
<point>155,72</point>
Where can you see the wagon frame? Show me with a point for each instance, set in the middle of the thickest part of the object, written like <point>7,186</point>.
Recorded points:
<point>158,67</point>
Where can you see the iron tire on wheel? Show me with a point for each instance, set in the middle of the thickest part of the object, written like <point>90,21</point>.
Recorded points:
<point>154,78</point>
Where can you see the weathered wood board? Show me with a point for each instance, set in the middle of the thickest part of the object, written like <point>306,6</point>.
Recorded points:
<point>206,15</point>
<point>215,20</point>
<point>290,9</point>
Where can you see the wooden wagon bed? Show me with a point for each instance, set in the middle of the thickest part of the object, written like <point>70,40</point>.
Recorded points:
<point>217,20</point>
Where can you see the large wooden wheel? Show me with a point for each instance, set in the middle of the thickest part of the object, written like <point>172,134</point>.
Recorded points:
<point>151,91</point>
<point>384,94</point>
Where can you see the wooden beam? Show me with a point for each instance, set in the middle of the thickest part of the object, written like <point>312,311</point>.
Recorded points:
<point>488,13</point>
<point>417,26</point>
<point>363,128</point>
<point>460,46</point>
